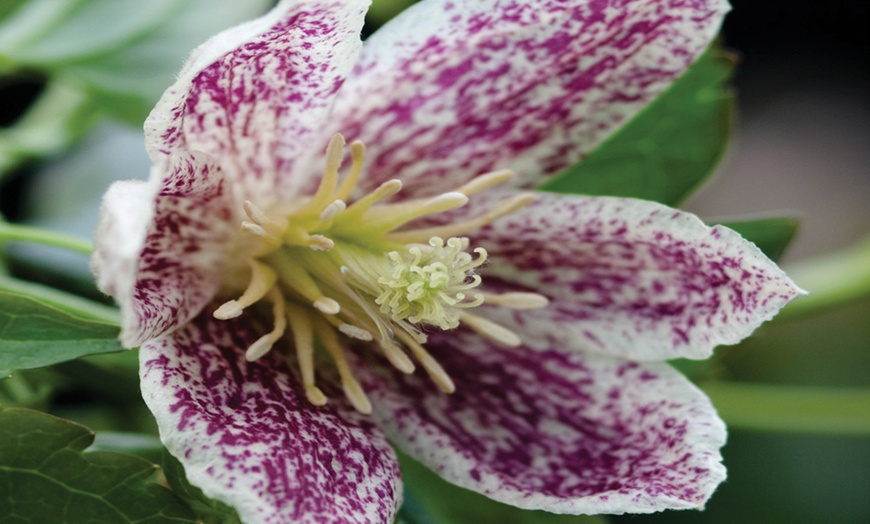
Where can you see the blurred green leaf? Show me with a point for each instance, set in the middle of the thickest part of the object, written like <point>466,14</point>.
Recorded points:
<point>667,150</point>
<point>836,411</point>
<point>831,280</point>
<point>208,510</point>
<point>46,476</point>
<point>34,333</point>
<point>771,235</point>
<point>123,65</point>
<point>59,117</point>
<point>7,7</point>
<point>432,500</point>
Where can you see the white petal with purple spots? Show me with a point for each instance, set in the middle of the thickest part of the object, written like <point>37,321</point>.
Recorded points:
<point>629,277</point>
<point>246,435</point>
<point>556,430</point>
<point>451,89</point>
<point>256,98</point>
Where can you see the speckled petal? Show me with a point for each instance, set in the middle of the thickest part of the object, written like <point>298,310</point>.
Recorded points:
<point>256,97</point>
<point>555,430</point>
<point>630,278</point>
<point>246,435</point>
<point>160,246</point>
<point>451,89</point>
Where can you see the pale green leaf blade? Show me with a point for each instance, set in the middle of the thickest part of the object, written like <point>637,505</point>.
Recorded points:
<point>35,333</point>
<point>670,148</point>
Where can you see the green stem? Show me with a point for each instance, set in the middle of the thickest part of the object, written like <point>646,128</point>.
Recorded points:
<point>61,299</point>
<point>819,410</point>
<point>831,280</point>
<point>14,232</point>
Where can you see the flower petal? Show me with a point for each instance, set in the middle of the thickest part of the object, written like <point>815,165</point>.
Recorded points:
<point>246,435</point>
<point>630,278</point>
<point>256,97</point>
<point>450,89</point>
<point>554,430</point>
<point>159,247</point>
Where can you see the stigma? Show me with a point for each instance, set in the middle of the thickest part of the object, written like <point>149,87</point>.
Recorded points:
<point>340,269</point>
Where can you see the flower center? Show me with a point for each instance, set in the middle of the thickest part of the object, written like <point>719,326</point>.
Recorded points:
<point>334,271</point>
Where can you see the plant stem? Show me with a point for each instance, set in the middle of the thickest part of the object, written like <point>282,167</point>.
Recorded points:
<point>14,232</point>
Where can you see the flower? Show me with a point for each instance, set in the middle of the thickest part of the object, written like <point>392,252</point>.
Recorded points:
<point>538,318</point>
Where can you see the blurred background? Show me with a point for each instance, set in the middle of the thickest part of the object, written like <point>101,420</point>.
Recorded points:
<point>801,147</point>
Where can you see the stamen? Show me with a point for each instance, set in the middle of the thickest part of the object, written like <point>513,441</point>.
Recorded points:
<point>356,210</point>
<point>505,207</point>
<point>485,181</point>
<point>334,156</point>
<point>263,344</point>
<point>352,388</point>
<point>259,217</point>
<point>263,278</point>
<point>517,300</point>
<point>320,243</point>
<point>388,218</point>
<point>327,306</point>
<point>398,358</point>
<point>297,278</point>
<point>333,210</point>
<point>357,153</point>
<point>432,367</point>
<point>355,332</point>
<point>271,242</point>
<point>303,339</point>
<point>490,329</point>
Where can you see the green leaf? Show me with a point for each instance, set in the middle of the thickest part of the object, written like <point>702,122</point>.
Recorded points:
<point>46,477</point>
<point>124,65</point>
<point>431,500</point>
<point>800,409</point>
<point>771,235</point>
<point>208,510</point>
<point>35,333</point>
<point>667,150</point>
<point>832,280</point>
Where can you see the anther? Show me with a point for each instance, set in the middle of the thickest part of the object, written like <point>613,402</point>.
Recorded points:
<point>355,332</point>
<point>517,300</point>
<point>486,181</point>
<point>491,330</point>
<point>432,367</point>
<point>263,344</point>
<point>263,278</point>
<point>303,339</point>
<point>333,210</point>
<point>351,387</point>
<point>357,152</point>
<point>503,208</point>
<point>320,243</point>
<point>397,358</point>
<point>327,306</point>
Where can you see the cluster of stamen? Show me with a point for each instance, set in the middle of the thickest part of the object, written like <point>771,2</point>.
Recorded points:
<point>335,271</point>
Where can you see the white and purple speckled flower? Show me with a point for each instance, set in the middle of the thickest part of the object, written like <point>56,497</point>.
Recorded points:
<point>541,390</point>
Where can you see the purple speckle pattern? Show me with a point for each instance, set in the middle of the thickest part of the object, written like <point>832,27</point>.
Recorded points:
<point>449,89</point>
<point>260,109</point>
<point>247,436</point>
<point>562,431</point>
<point>160,246</point>
<point>628,278</point>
